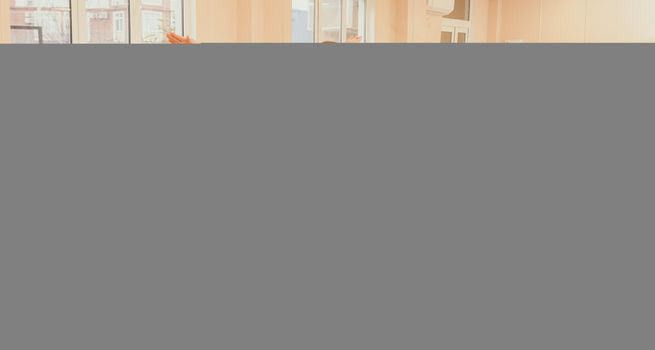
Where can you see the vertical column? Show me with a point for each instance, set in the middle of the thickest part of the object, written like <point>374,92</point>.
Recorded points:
<point>244,21</point>
<point>5,33</point>
<point>493,24</point>
<point>79,30</point>
<point>217,20</point>
<point>190,18</point>
<point>385,13</point>
<point>260,21</point>
<point>433,29</point>
<point>258,14</point>
<point>417,21</point>
<point>520,21</point>
<point>479,32</point>
<point>271,21</point>
<point>136,24</point>
<point>415,24</point>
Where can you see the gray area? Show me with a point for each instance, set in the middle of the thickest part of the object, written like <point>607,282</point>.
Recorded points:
<point>327,197</point>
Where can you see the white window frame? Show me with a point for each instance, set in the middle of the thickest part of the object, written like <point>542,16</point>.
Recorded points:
<point>78,19</point>
<point>369,21</point>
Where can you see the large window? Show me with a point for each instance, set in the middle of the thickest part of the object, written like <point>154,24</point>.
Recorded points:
<point>47,21</point>
<point>328,20</point>
<point>96,21</point>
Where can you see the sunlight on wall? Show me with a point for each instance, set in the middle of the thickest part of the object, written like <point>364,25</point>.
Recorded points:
<point>577,20</point>
<point>4,21</point>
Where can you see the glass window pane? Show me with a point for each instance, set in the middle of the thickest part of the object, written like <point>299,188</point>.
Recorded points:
<point>337,20</point>
<point>462,10</point>
<point>303,21</point>
<point>51,17</point>
<point>355,19</point>
<point>159,17</point>
<point>330,21</point>
<point>107,21</point>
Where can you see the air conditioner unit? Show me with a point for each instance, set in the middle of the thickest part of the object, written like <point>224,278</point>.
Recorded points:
<point>444,7</point>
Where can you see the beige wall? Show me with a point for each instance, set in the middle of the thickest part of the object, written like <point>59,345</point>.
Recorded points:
<point>434,22</point>
<point>244,20</point>
<point>216,20</point>
<point>620,20</point>
<point>493,21</point>
<point>577,20</point>
<point>391,20</point>
<point>244,25</point>
<point>4,21</point>
<point>480,21</point>
<point>417,22</point>
<point>520,20</point>
<point>563,20</point>
<point>386,26</point>
<point>274,19</point>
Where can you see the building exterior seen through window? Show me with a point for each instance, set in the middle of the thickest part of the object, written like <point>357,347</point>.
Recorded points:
<point>99,21</point>
<point>328,20</point>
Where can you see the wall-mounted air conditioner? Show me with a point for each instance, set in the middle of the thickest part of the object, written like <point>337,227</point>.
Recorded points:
<point>444,7</point>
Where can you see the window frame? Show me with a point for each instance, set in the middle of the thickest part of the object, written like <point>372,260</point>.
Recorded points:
<point>369,21</point>
<point>78,19</point>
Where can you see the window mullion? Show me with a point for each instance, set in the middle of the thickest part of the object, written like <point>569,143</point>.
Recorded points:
<point>343,26</point>
<point>369,32</point>
<point>317,21</point>
<point>189,21</point>
<point>363,20</point>
<point>79,30</point>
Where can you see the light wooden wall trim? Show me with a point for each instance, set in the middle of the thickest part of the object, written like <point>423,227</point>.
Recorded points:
<point>216,20</point>
<point>258,21</point>
<point>244,25</point>
<point>5,33</point>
